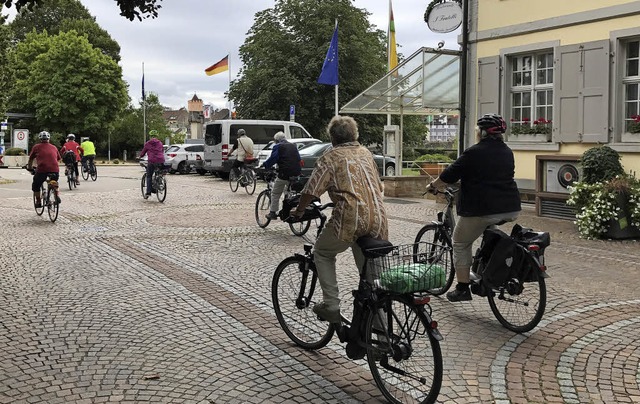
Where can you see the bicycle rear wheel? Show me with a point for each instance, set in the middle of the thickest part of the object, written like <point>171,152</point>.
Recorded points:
<point>519,307</point>
<point>85,171</point>
<point>233,180</point>
<point>300,228</point>
<point>294,309</point>
<point>52,206</point>
<point>70,180</point>
<point>431,247</point>
<point>43,196</point>
<point>250,186</point>
<point>94,172</point>
<point>263,204</point>
<point>161,187</point>
<point>404,358</point>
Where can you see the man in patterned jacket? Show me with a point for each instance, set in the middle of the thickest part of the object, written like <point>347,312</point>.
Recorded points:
<point>349,174</point>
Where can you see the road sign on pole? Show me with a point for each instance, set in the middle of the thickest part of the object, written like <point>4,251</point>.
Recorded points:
<point>292,113</point>
<point>21,138</point>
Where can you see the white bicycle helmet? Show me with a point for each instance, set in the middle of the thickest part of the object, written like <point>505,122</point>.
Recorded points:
<point>71,136</point>
<point>44,135</point>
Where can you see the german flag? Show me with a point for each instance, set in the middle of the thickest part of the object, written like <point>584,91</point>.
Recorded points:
<point>221,66</point>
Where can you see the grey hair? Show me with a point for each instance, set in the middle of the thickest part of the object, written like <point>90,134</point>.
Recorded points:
<point>279,137</point>
<point>342,129</point>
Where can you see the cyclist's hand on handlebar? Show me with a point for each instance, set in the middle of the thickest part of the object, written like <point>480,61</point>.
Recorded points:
<point>432,189</point>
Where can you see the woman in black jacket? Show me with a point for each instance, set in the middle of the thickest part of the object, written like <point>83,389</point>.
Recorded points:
<point>488,194</point>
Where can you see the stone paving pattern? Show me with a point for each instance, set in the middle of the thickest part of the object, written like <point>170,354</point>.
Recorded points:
<point>127,300</point>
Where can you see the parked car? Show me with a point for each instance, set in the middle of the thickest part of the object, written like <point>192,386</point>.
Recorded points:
<point>265,153</point>
<point>183,157</point>
<point>311,153</point>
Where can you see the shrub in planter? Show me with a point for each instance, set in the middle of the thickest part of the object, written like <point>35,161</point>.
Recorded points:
<point>14,151</point>
<point>606,197</point>
<point>434,158</point>
<point>116,161</point>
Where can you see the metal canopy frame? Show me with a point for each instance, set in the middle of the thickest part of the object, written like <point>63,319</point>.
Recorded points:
<point>426,83</point>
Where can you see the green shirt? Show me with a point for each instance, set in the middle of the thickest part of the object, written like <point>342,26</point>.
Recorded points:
<point>89,148</point>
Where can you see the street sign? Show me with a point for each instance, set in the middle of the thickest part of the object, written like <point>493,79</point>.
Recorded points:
<point>4,125</point>
<point>292,113</point>
<point>21,138</point>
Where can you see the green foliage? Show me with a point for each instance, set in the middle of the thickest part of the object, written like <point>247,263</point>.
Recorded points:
<point>71,86</point>
<point>14,151</point>
<point>600,164</point>
<point>5,36</point>
<point>598,203</point>
<point>129,9</point>
<point>434,158</point>
<point>283,54</point>
<point>98,37</point>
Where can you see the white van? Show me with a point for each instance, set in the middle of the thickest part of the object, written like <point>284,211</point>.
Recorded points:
<point>219,137</point>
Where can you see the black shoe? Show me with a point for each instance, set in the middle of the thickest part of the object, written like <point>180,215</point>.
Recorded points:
<point>271,215</point>
<point>459,294</point>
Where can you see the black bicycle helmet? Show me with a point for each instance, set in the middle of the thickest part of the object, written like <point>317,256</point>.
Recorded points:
<point>492,124</point>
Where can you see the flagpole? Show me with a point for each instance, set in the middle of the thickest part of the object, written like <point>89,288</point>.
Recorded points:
<point>389,57</point>
<point>229,85</point>
<point>144,110</point>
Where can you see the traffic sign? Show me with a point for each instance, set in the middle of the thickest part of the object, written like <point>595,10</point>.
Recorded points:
<point>4,125</point>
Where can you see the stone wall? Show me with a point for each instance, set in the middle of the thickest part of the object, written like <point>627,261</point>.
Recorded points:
<point>406,186</point>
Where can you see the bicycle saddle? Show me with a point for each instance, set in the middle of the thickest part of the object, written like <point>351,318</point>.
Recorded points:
<point>373,247</point>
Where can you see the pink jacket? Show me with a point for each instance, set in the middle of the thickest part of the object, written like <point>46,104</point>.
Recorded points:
<point>153,148</point>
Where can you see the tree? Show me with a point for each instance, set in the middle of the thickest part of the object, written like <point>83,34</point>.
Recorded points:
<point>55,16</point>
<point>129,9</point>
<point>5,36</point>
<point>283,55</point>
<point>67,83</point>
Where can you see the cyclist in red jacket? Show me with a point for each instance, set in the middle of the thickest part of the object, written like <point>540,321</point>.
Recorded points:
<point>72,145</point>
<point>48,157</point>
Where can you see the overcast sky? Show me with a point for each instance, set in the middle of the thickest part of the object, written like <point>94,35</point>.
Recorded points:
<point>190,35</point>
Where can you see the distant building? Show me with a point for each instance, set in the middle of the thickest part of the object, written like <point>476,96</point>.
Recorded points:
<point>177,121</point>
<point>442,128</point>
<point>196,117</point>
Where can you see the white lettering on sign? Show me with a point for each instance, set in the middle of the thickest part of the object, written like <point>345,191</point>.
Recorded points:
<point>445,17</point>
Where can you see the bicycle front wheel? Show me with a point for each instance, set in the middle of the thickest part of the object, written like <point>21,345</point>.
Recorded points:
<point>52,206</point>
<point>404,358</point>
<point>263,204</point>
<point>94,172</point>
<point>233,180</point>
<point>519,307</point>
<point>294,292</point>
<point>43,197</point>
<point>250,186</point>
<point>161,188</point>
<point>433,247</point>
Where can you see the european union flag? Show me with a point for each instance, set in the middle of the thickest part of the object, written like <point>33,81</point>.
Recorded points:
<point>329,73</point>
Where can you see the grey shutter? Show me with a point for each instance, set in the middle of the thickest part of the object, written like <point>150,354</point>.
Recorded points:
<point>581,93</point>
<point>489,85</point>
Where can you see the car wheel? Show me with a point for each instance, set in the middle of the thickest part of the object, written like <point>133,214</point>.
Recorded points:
<point>182,168</point>
<point>201,172</point>
<point>390,170</point>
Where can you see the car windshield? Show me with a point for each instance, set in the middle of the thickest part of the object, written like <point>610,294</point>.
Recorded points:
<point>313,148</point>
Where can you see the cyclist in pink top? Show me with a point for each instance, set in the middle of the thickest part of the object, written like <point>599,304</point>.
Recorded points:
<point>155,152</point>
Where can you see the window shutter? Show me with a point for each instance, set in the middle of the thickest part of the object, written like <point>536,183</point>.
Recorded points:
<point>581,93</point>
<point>489,85</point>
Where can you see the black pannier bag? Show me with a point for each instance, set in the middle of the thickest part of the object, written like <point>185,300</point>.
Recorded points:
<point>69,157</point>
<point>298,183</point>
<point>291,203</point>
<point>505,259</point>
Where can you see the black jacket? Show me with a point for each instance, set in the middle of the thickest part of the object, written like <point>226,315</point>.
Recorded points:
<point>286,156</point>
<point>485,171</point>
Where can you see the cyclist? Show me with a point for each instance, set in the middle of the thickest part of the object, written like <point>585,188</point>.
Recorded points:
<point>48,157</point>
<point>89,153</point>
<point>488,194</point>
<point>155,151</point>
<point>350,176</point>
<point>244,145</point>
<point>286,156</point>
<point>71,146</point>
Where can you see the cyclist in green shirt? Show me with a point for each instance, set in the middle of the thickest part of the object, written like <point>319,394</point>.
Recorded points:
<point>89,153</point>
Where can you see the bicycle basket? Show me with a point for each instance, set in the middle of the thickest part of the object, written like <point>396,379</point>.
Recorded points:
<point>412,268</point>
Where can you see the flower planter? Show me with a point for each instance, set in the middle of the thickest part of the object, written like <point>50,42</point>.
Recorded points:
<point>15,161</point>
<point>432,169</point>
<point>621,227</point>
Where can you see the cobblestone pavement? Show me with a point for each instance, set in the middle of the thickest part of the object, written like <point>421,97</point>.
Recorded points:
<point>127,300</point>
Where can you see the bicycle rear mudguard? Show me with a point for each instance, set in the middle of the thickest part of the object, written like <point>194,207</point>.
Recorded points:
<point>435,333</point>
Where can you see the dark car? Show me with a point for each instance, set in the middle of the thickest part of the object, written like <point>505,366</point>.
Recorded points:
<point>310,154</point>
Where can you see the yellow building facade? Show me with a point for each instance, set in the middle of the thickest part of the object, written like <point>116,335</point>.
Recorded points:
<point>565,74</point>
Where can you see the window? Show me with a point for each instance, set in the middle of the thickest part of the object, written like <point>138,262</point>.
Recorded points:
<point>631,83</point>
<point>531,93</point>
<point>297,132</point>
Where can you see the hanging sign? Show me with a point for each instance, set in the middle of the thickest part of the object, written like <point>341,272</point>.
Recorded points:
<point>443,16</point>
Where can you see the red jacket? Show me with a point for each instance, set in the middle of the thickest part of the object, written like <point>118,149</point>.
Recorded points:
<point>74,147</point>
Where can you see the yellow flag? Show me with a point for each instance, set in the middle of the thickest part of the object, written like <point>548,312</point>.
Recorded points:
<point>392,53</point>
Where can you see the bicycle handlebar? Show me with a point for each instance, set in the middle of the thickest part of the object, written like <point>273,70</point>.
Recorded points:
<point>447,191</point>
<point>312,211</point>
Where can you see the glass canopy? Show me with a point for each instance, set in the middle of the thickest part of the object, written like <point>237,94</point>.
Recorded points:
<point>426,83</point>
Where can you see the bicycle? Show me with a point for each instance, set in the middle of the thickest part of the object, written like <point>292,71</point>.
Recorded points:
<point>394,330</point>
<point>518,304</point>
<point>48,197</point>
<point>243,176</point>
<point>89,170</point>
<point>158,182</point>
<point>69,159</point>
<point>263,203</point>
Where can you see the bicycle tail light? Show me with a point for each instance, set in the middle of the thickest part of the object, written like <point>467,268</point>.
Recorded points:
<point>419,300</point>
